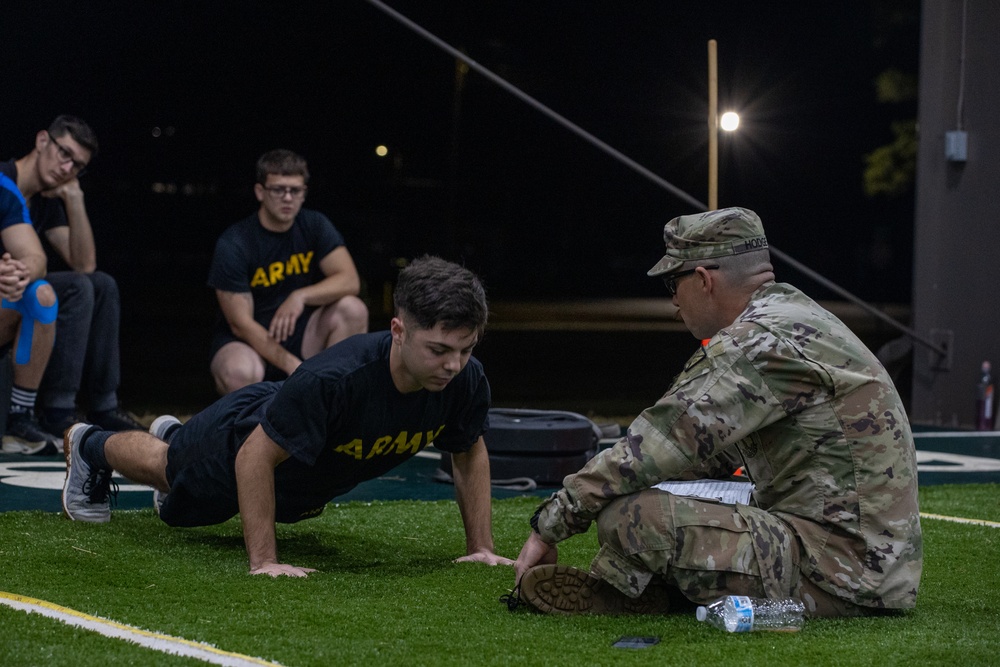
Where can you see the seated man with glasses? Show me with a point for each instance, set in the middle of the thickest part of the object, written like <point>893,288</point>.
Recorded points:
<point>286,283</point>
<point>85,356</point>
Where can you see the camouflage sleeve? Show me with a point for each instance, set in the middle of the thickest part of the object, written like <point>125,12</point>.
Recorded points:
<point>719,399</point>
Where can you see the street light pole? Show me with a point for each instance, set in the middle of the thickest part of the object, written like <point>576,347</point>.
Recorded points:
<point>713,127</point>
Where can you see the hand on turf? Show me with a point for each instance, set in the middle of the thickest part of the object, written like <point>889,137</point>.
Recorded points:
<point>282,570</point>
<point>534,552</point>
<point>485,556</point>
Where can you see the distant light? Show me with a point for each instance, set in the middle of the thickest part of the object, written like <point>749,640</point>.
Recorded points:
<point>157,132</point>
<point>729,121</point>
<point>381,150</point>
<point>164,188</point>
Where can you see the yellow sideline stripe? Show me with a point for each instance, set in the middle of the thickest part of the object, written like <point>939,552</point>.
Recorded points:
<point>958,519</point>
<point>153,640</point>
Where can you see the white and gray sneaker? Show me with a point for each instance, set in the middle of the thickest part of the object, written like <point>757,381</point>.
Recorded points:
<point>161,428</point>
<point>87,491</point>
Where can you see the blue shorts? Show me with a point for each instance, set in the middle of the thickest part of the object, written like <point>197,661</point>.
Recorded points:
<point>201,462</point>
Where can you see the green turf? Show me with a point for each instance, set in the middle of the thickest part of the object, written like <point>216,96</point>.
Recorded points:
<point>388,594</point>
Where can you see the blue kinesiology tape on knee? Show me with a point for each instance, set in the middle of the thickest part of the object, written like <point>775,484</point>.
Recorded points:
<point>31,312</point>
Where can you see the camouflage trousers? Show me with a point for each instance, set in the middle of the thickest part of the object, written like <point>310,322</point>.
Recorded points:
<point>706,549</point>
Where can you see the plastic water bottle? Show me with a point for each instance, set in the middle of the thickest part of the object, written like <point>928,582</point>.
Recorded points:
<point>739,613</point>
<point>984,399</point>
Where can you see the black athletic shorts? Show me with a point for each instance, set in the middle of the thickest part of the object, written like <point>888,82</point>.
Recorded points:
<point>223,334</point>
<point>201,462</point>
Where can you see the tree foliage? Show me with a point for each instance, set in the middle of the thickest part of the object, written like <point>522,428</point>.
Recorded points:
<point>891,169</point>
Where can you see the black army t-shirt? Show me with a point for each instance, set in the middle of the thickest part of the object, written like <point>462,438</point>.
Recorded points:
<point>272,265</point>
<point>343,421</point>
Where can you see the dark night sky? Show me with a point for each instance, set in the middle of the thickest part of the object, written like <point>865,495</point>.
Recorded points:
<point>478,177</point>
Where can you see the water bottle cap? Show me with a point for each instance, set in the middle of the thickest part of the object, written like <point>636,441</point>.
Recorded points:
<point>701,613</point>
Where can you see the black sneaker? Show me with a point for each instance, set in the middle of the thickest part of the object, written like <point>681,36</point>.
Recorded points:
<point>560,589</point>
<point>114,420</point>
<point>25,436</point>
<point>56,421</point>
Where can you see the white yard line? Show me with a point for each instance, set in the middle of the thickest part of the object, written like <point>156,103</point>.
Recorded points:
<point>114,630</point>
<point>958,519</point>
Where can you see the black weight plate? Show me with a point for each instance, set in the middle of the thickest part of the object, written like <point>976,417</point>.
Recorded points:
<point>539,433</point>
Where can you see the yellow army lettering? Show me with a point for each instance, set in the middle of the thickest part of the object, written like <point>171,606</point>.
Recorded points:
<point>401,444</point>
<point>297,263</point>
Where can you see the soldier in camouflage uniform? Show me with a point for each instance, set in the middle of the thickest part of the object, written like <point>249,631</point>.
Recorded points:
<point>782,388</point>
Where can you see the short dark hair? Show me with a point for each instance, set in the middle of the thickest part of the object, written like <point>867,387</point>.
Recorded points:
<point>75,127</point>
<point>432,290</point>
<point>281,162</point>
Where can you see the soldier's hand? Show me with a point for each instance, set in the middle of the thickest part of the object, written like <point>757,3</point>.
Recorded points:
<point>535,551</point>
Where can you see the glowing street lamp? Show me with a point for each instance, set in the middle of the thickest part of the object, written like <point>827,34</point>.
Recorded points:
<point>729,121</point>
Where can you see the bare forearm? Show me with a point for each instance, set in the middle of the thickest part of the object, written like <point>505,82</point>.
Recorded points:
<point>255,487</point>
<point>82,251</point>
<point>472,492</point>
<point>477,519</point>
<point>330,289</point>
<point>238,309</point>
<point>36,265</point>
<point>257,337</point>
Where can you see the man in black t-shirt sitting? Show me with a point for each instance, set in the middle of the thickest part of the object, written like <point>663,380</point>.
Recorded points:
<point>286,284</point>
<point>279,451</point>
<point>85,361</point>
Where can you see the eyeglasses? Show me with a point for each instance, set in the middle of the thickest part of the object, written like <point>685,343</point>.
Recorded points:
<point>671,280</point>
<point>64,155</point>
<point>279,192</point>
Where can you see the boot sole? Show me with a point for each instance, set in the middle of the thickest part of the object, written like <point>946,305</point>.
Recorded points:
<point>560,589</point>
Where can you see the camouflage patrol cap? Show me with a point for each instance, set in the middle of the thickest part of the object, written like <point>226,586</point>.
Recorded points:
<point>727,231</point>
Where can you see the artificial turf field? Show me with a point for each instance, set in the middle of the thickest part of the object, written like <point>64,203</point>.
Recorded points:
<point>387,593</point>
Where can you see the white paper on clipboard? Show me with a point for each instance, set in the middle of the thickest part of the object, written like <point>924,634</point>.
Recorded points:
<point>711,489</point>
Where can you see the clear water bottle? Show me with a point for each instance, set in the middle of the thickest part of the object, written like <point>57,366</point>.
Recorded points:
<point>739,613</point>
<point>984,398</point>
